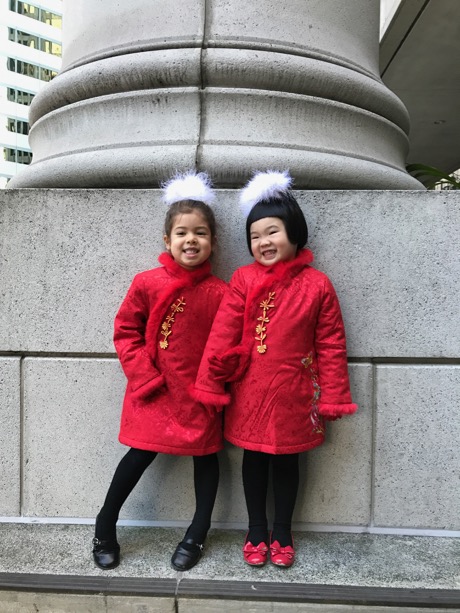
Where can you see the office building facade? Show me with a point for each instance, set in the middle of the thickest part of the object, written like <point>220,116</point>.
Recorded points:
<point>30,56</point>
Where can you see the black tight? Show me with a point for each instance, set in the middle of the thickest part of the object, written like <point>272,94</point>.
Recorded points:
<point>285,485</point>
<point>206,477</point>
<point>131,468</point>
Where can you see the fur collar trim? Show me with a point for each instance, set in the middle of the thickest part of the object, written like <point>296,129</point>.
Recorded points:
<point>282,272</point>
<point>180,279</point>
<point>189,277</point>
<point>288,269</point>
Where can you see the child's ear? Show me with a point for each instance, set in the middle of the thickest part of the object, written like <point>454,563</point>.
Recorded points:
<point>167,242</point>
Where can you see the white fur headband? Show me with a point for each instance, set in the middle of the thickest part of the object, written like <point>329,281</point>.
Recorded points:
<point>188,186</point>
<point>262,186</point>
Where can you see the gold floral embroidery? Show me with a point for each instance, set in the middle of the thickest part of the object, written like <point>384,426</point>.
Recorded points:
<point>177,307</point>
<point>261,328</point>
<point>316,419</point>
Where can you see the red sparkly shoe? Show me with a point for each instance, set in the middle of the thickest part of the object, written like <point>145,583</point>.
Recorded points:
<point>281,556</point>
<point>255,556</point>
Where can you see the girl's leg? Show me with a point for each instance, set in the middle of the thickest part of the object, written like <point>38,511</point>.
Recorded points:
<point>255,483</point>
<point>285,486</point>
<point>206,477</point>
<point>129,471</point>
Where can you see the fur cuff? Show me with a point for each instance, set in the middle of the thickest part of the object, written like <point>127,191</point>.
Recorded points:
<point>337,410</point>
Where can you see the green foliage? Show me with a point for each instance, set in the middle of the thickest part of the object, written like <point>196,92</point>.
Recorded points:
<point>432,177</point>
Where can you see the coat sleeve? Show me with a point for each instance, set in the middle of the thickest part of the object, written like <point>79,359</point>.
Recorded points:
<point>220,357</point>
<point>129,339</point>
<point>331,352</point>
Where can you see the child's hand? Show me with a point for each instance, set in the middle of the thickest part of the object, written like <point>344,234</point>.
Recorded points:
<point>154,386</point>
<point>213,408</point>
<point>223,368</point>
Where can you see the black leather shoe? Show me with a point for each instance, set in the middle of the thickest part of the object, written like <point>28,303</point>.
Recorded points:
<point>106,554</point>
<point>187,554</point>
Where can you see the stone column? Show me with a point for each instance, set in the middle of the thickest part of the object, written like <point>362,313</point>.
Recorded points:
<point>153,86</point>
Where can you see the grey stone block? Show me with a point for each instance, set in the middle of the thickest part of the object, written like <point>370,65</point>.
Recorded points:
<point>10,436</point>
<point>417,481</point>
<point>335,478</point>
<point>77,252</point>
<point>72,410</point>
<point>393,258</point>
<point>72,413</point>
<point>335,485</point>
<point>143,604</point>
<point>23,602</point>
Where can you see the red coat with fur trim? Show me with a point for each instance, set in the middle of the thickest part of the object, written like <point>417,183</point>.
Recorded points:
<point>160,334</point>
<point>280,338</point>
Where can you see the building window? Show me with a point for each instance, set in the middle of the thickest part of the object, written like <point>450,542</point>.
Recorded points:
<point>17,95</point>
<point>31,70</point>
<point>35,42</point>
<point>51,18</point>
<point>46,74</point>
<point>17,125</point>
<point>17,155</point>
<point>23,157</point>
<point>24,8</point>
<point>48,46</point>
<point>35,12</point>
<point>29,40</point>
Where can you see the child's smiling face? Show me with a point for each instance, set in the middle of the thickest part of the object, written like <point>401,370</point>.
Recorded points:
<point>190,241</point>
<point>270,243</point>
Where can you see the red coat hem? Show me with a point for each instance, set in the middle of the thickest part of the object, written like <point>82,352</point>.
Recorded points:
<point>275,450</point>
<point>168,449</point>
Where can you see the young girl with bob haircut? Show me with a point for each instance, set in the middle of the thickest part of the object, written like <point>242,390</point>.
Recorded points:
<point>160,334</point>
<point>279,339</point>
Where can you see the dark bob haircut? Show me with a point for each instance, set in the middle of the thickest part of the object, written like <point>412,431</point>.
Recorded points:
<point>287,209</point>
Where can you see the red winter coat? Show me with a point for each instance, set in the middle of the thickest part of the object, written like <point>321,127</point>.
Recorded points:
<point>279,337</point>
<point>160,334</point>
